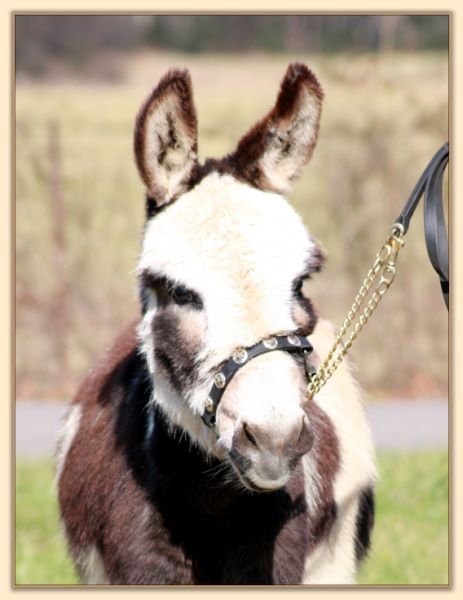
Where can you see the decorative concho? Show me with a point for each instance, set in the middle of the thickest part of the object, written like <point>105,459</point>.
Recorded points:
<point>240,356</point>
<point>220,380</point>
<point>209,406</point>
<point>293,340</point>
<point>271,343</point>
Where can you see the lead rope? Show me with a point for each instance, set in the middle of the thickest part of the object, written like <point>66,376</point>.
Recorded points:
<point>382,269</point>
<point>429,184</point>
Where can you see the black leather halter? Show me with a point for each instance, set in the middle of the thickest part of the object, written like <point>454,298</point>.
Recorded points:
<point>289,342</point>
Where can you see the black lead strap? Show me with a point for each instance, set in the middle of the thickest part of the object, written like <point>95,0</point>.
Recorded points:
<point>430,184</point>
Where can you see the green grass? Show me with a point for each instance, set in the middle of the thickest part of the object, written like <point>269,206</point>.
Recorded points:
<point>40,549</point>
<point>410,541</point>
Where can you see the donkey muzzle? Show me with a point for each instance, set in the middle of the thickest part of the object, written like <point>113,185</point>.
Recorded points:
<point>289,342</point>
<point>262,461</point>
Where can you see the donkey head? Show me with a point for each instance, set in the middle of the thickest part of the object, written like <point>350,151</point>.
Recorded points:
<point>222,266</point>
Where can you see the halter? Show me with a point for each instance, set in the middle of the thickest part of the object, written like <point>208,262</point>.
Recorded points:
<point>289,342</point>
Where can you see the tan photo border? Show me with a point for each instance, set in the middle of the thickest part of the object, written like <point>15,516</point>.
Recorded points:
<point>7,266</point>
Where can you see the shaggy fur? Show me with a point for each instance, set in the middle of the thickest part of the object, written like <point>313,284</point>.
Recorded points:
<point>159,514</point>
<point>148,494</point>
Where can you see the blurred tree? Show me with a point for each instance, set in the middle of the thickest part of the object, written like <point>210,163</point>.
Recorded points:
<point>388,32</point>
<point>72,38</point>
<point>79,37</point>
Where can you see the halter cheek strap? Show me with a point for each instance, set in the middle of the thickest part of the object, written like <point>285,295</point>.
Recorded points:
<point>289,343</point>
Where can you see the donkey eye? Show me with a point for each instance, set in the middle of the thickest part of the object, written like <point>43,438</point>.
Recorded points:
<point>181,295</point>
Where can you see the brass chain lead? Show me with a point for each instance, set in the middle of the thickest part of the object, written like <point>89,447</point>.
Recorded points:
<point>384,269</point>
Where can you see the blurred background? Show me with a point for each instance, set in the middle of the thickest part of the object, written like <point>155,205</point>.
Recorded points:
<point>80,210</point>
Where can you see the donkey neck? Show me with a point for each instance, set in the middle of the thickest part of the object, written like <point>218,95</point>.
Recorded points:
<point>230,535</point>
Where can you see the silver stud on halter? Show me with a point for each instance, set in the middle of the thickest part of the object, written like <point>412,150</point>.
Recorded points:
<point>210,406</point>
<point>240,356</point>
<point>270,343</point>
<point>220,380</point>
<point>290,343</point>
<point>294,340</point>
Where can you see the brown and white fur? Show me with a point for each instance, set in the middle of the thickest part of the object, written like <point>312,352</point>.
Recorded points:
<point>281,491</point>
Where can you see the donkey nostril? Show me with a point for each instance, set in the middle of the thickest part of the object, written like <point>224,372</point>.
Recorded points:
<point>249,435</point>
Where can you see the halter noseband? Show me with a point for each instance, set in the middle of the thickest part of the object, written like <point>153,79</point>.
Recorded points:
<point>289,342</point>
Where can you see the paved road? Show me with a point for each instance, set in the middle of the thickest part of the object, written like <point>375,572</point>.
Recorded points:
<point>396,426</point>
<point>410,425</point>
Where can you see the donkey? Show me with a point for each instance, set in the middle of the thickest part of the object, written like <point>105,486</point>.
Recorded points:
<point>190,454</point>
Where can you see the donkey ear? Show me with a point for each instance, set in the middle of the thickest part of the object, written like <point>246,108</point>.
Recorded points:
<point>166,138</point>
<point>272,154</point>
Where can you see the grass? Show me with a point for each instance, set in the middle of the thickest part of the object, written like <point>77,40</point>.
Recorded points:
<point>410,541</point>
<point>41,556</point>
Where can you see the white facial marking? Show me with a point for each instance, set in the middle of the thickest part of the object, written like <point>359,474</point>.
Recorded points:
<point>266,391</point>
<point>69,429</point>
<point>240,249</point>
